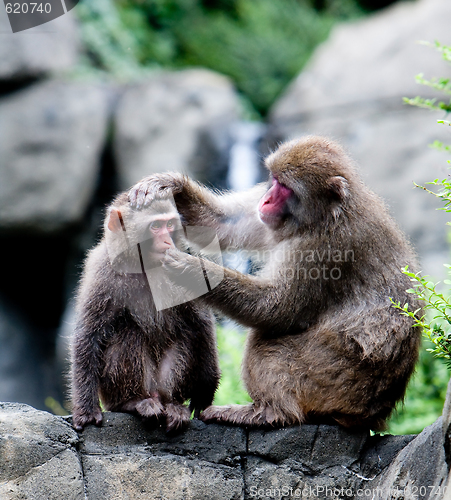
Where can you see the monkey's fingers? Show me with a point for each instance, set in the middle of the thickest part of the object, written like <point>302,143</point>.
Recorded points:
<point>250,415</point>
<point>81,419</point>
<point>214,414</point>
<point>177,417</point>
<point>173,258</point>
<point>149,408</point>
<point>154,187</point>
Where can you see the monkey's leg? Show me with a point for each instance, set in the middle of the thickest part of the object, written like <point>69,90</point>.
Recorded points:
<point>128,382</point>
<point>253,415</point>
<point>172,376</point>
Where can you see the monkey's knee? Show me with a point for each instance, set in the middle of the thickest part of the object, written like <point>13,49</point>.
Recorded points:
<point>177,416</point>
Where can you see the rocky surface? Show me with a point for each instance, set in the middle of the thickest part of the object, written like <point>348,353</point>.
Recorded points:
<point>41,456</point>
<point>177,121</point>
<point>352,90</point>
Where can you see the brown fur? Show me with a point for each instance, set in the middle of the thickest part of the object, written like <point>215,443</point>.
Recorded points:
<point>137,359</point>
<point>319,349</point>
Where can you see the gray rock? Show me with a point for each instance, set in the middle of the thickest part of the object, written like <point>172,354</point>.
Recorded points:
<point>147,477</point>
<point>41,456</point>
<point>38,457</point>
<point>178,121</point>
<point>51,135</point>
<point>60,477</point>
<point>183,466</point>
<point>352,91</point>
<point>380,452</point>
<point>48,48</point>
<point>418,471</point>
<point>122,433</point>
<point>372,59</point>
<point>314,446</point>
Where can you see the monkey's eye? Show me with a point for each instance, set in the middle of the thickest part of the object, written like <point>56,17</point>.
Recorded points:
<point>171,224</point>
<point>155,225</point>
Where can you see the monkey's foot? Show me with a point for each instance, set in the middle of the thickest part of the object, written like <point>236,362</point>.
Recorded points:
<point>149,408</point>
<point>177,416</point>
<point>251,415</point>
<point>82,417</point>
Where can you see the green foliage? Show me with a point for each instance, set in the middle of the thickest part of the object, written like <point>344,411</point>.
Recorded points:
<point>262,45</point>
<point>441,84</point>
<point>424,398</point>
<point>110,46</point>
<point>438,328</point>
<point>426,393</point>
<point>262,49</point>
<point>231,346</point>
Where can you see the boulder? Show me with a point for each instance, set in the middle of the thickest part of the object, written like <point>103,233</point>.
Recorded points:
<point>178,121</point>
<point>352,91</point>
<point>51,137</point>
<point>45,49</point>
<point>38,456</point>
<point>41,456</point>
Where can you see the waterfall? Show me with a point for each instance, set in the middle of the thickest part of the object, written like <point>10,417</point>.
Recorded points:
<point>243,173</point>
<point>244,162</point>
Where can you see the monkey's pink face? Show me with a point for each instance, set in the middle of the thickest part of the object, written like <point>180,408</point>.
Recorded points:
<point>161,230</point>
<point>273,206</point>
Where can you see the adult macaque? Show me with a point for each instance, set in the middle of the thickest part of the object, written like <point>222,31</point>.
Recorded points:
<point>325,342</point>
<point>135,356</point>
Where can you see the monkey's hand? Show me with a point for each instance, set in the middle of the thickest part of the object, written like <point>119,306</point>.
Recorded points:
<point>175,260</point>
<point>183,269</point>
<point>81,417</point>
<point>156,186</point>
<point>191,272</point>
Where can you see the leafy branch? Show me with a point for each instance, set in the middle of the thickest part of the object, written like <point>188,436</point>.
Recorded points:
<point>438,330</point>
<point>436,304</point>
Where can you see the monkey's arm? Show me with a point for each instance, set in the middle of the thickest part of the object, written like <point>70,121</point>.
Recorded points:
<point>94,317</point>
<point>233,215</point>
<point>250,300</point>
<point>86,356</point>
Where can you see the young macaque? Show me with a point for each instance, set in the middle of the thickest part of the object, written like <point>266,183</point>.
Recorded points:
<point>139,345</point>
<point>325,343</point>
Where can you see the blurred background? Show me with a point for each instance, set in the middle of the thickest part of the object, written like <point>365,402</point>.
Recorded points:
<point>117,89</point>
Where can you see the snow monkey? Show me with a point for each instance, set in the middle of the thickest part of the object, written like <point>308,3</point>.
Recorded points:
<point>325,343</point>
<point>134,356</point>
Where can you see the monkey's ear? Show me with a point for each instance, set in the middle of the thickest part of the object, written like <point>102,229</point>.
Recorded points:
<point>339,187</point>
<point>115,220</point>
